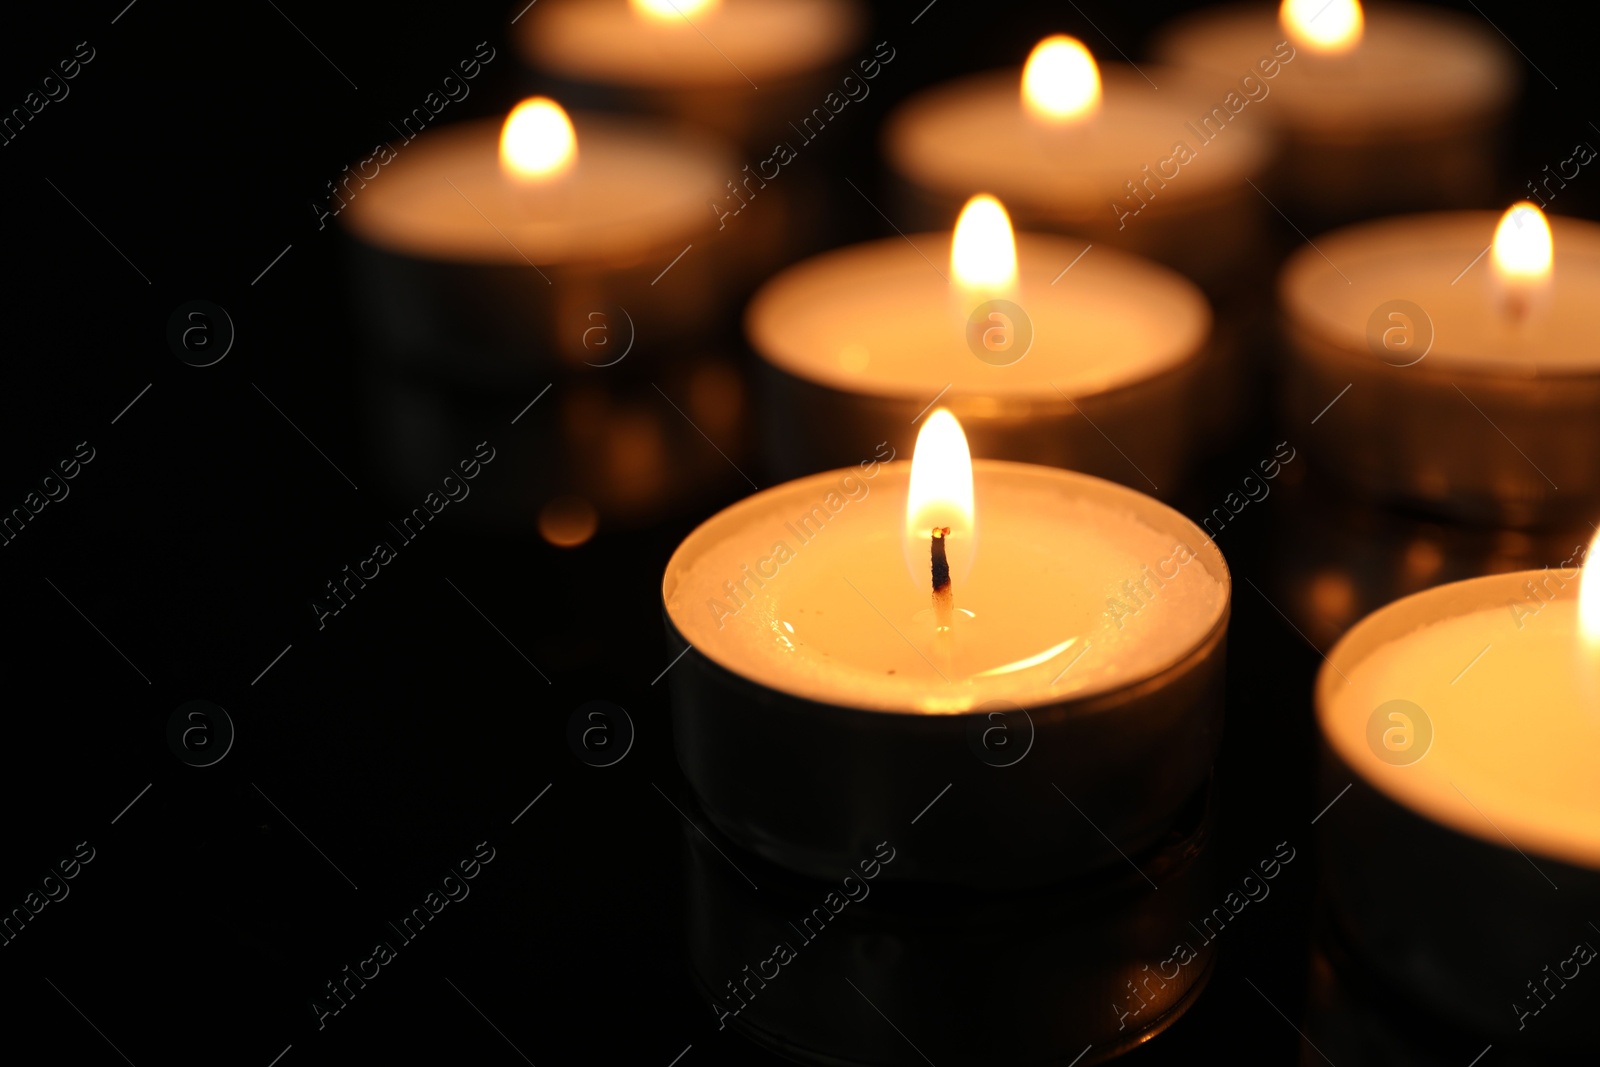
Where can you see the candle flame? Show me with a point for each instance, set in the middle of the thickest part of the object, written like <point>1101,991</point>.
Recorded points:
<point>1061,83</point>
<point>1523,250</point>
<point>1520,266</point>
<point>537,143</point>
<point>940,493</point>
<point>1327,26</point>
<point>983,254</point>
<point>675,11</point>
<point>1588,596</point>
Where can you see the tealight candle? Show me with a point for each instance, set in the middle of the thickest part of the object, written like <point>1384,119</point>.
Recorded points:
<point>742,66</point>
<point>492,244</point>
<point>1466,861</point>
<point>1100,154</point>
<point>494,259</point>
<point>1400,107</point>
<point>1450,361</point>
<point>1050,351</point>
<point>855,639</point>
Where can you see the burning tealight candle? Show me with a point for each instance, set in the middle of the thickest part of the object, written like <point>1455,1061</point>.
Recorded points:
<point>494,258</point>
<point>857,648</point>
<point>1114,160</point>
<point>1399,108</point>
<point>1451,360</point>
<point>1050,351</point>
<point>494,241</point>
<point>1466,720</point>
<point>742,66</point>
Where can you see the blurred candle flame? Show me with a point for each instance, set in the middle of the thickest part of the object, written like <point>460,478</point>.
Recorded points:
<point>1588,599</point>
<point>1327,26</point>
<point>1521,261</point>
<point>1061,82</point>
<point>1523,250</point>
<point>940,494</point>
<point>537,143</point>
<point>671,10</point>
<point>983,254</point>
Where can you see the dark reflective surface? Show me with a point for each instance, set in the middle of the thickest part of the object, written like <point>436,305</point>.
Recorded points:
<point>375,749</point>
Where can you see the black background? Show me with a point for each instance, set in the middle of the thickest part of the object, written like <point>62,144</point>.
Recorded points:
<point>409,730</point>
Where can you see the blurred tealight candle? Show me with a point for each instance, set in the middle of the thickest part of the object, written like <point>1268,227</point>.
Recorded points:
<point>1071,146</point>
<point>500,258</point>
<point>1401,107</point>
<point>1049,351</point>
<point>1452,361</point>
<point>741,66</point>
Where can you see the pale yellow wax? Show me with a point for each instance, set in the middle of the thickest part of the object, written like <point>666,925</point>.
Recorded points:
<point>1516,738</point>
<point>973,134</point>
<point>879,319</point>
<point>735,43</point>
<point>1414,68</point>
<point>1437,262</point>
<point>835,614</point>
<point>633,191</point>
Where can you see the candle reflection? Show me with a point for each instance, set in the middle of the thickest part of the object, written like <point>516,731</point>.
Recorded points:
<point>1082,964</point>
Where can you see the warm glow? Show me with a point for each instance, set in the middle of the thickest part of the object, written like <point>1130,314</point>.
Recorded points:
<point>1523,250</point>
<point>671,10</point>
<point>940,492</point>
<point>537,143</point>
<point>983,254</point>
<point>1061,82</point>
<point>568,521</point>
<point>1588,594</point>
<point>1328,26</point>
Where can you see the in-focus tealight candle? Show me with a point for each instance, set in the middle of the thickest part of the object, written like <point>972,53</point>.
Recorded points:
<point>1452,361</point>
<point>815,644</point>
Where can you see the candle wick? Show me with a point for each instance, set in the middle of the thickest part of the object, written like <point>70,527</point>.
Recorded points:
<point>944,604</point>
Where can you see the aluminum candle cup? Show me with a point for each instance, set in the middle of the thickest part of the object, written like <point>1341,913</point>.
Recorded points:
<point>1094,372</point>
<point>1464,864</point>
<point>1441,396</point>
<point>1084,965</point>
<point>743,67</point>
<point>1401,108</point>
<point>1070,712</point>
<point>463,271</point>
<point>1133,174</point>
